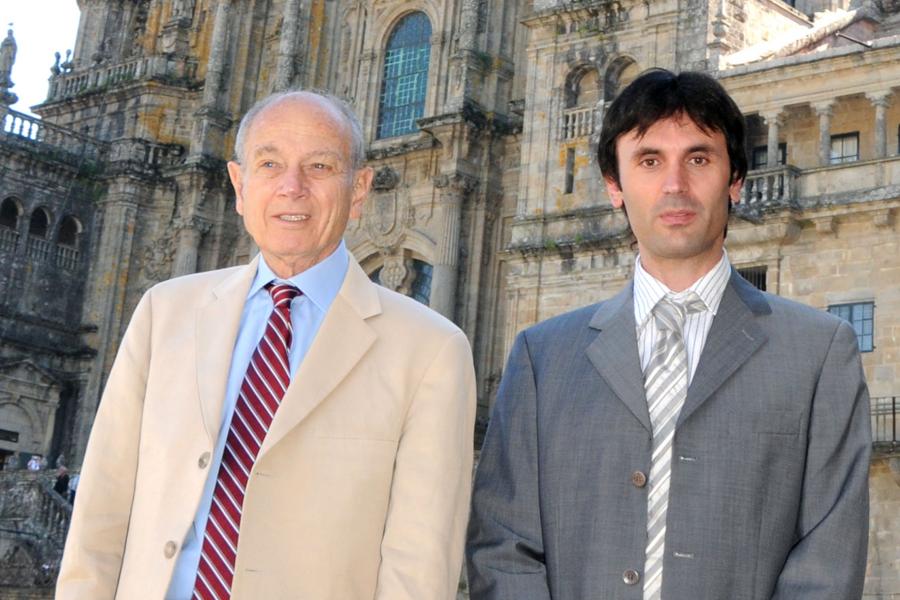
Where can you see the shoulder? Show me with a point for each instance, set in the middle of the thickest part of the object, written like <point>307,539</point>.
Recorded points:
<point>191,286</point>
<point>792,322</point>
<point>410,315</point>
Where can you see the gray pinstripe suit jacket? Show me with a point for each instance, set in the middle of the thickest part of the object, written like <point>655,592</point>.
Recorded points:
<point>769,491</point>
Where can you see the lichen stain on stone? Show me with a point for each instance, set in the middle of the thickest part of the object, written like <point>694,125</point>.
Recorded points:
<point>317,24</point>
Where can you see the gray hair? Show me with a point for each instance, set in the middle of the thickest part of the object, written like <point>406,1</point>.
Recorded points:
<point>357,145</point>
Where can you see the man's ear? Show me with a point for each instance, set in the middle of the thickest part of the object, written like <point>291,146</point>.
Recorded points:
<point>235,174</point>
<point>362,182</point>
<point>614,190</point>
<point>734,191</point>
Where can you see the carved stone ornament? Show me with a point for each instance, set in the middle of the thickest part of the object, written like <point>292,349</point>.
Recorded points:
<point>385,180</point>
<point>393,273</point>
<point>385,218</point>
<point>158,257</point>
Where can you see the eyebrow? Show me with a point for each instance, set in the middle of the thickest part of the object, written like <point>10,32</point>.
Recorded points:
<point>271,149</point>
<point>646,150</point>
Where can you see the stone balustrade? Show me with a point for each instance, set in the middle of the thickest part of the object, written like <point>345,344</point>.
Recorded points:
<point>770,187</point>
<point>576,123</point>
<point>82,81</point>
<point>32,130</point>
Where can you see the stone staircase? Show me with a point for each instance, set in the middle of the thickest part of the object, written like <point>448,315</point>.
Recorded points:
<point>33,524</point>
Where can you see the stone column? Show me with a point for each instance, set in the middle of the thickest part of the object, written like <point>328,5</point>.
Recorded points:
<point>468,24</point>
<point>881,100</point>
<point>215,66</point>
<point>287,46</point>
<point>452,191</point>
<point>105,299</point>
<point>824,110</point>
<point>190,232</point>
<point>774,119</point>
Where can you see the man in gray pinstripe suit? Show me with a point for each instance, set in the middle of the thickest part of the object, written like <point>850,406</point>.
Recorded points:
<point>743,475</point>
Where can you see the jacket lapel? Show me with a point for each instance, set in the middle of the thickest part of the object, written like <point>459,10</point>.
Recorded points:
<point>733,338</point>
<point>218,322</point>
<point>343,339</point>
<point>614,353</point>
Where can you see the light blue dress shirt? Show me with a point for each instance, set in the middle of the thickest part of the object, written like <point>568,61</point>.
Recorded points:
<point>320,285</point>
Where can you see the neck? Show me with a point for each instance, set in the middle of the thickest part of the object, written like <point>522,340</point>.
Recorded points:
<point>678,274</point>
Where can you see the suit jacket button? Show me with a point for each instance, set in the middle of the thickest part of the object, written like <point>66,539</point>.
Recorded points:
<point>203,460</point>
<point>631,577</point>
<point>170,549</point>
<point>639,479</point>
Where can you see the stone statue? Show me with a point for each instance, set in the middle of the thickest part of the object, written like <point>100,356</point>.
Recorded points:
<point>183,8</point>
<point>55,70</point>
<point>7,58</point>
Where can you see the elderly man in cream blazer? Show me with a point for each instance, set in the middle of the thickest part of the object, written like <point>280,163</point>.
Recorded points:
<point>285,429</point>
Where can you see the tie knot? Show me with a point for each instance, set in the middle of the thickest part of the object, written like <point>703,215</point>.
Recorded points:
<point>670,313</point>
<point>282,293</point>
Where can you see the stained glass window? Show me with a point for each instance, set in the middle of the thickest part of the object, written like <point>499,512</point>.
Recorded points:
<point>405,76</point>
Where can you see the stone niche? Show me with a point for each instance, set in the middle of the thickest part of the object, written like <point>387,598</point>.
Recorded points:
<point>29,397</point>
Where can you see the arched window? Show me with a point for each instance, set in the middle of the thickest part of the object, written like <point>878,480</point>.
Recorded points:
<point>10,211</point>
<point>406,59</point>
<point>69,230</point>
<point>583,89</point>
<point>39,224</point>
<point>620,73</point>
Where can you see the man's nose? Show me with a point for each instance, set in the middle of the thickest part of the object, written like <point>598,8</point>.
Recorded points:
<point>293,182</point>
<point>675,178</point>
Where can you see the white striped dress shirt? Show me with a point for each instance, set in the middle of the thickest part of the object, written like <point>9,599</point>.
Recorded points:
<point>648,291</point>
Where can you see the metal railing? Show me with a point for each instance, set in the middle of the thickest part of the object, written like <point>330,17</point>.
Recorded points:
<point>884,421</point>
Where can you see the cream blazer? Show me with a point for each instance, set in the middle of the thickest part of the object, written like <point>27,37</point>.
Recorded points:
<point>362,484</point>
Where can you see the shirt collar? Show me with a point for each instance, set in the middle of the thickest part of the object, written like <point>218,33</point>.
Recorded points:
<point>648,290</point>
<point>320,283</point>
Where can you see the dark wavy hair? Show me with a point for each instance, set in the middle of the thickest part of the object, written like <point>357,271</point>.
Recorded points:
<point>659,94</point>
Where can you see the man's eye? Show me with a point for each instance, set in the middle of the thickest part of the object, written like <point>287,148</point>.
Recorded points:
<point>699,160</point>
<point>649,162</point>
<point>320,166</point>
<point>267,164</point>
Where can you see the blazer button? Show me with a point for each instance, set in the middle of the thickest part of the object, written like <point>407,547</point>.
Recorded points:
<point>639,479</point>
<point>170,549</point>
<point>203,460</point>
<point>631,577</point>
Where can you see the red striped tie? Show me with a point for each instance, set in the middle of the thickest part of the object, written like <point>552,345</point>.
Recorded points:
<point>261,391</point>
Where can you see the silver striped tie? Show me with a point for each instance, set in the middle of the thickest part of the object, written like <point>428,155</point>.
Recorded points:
<point>665,382</point>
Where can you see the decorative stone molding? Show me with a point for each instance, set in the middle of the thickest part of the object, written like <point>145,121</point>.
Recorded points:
<point>393,273</point>
<point>386,216</point>
<point>385,180</point>
<point>882,217</point>
<point>157,258</point>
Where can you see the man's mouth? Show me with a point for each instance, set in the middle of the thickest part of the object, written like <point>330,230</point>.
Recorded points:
<point>678,217</point>
<point>293,218</point>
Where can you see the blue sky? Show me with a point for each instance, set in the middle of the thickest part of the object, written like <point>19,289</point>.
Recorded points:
<point>41,27</point>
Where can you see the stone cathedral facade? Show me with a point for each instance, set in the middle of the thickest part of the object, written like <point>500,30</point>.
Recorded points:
<point>481,119</point>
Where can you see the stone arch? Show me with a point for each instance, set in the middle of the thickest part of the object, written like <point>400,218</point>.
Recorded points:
<point>10,211</point>
<point>69,232</point>
<point>620,72</point>
<point>582,86</point>
<point>39,224</point>
<point>410,272</point>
